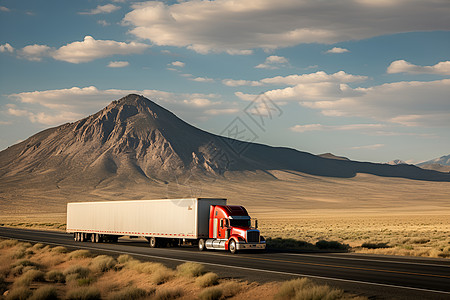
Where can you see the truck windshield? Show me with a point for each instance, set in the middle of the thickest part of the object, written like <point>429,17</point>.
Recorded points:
<point>240,223</point>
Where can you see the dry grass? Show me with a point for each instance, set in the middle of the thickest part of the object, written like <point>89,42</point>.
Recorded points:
<point>19,293</point>
<point>303,288</point>
<point>45,293</point>
<point>79,254</point>
<point>84,293</point>
<point>68,278</point>
<point>208,279</point>
<point>190,269</point>
<point>103,263</point>
<point>412,235</point>
<point>213,293</point>
<point>55,276</point>
<point>130,293</point>
<point>168,294</point>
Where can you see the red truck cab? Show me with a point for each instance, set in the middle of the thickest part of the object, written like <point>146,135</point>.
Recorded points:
<point>230,229</point>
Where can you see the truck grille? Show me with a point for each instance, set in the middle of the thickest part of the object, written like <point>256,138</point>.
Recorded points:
<point>252,236</point>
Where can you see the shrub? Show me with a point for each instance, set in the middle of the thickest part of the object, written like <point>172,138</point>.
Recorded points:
<point>85,281</point>
<point>103,263</point>
<point>55,276</point>
<point>420,241</point>
<point>213,293</point>
<point>25,263</point>
<point>30,276</point>
<point>8,243</point>
<point>303,288</point>
<point>38,246</point>
<point>45,293</point>
<point>130,293</point>
<point>79,254</point>
<point>369,245</point>
<point>279,243</point>
<point>190,269</point>
<point>124,258</point>
<point>79,271</point>
<point>19,293</point>
<point>168,294</point>
<point>331,245</point>
<point>59,249</point>
<point>208,279</point>
<point>230,288</point>
<point>162,275</point>
<point>19,253</point>
<point>144,267</point>
<point>84,293</point>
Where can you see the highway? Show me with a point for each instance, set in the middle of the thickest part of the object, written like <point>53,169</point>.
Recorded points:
<point>377,277</point>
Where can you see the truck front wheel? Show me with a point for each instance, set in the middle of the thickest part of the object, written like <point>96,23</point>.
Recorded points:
<point>153,242</point>
<point>201,244</point>
<point>232,247</point>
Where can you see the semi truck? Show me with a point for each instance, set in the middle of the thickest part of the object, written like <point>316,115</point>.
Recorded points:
<point>206,222</point>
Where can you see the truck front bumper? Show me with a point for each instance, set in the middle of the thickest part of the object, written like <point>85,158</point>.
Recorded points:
<point>249,246</point>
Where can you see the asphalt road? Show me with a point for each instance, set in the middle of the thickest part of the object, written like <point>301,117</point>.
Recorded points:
<point>378,277</point>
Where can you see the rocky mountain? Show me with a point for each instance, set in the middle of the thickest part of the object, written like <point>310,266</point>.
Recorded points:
<point>396,162</point>
<point>135,141</point>
<point>441,164</point>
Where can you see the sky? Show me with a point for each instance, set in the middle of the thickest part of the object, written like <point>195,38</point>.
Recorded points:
<point>365,79</point>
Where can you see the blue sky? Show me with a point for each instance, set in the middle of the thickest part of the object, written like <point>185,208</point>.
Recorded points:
<point>365,79</point>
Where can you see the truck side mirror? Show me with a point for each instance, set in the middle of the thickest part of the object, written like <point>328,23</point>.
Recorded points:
<point>256,224</point>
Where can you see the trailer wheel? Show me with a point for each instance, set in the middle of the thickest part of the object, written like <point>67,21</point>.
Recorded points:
<point>153,242</point>
<point>93,237</point>
<point>98,238</point>
<point>81,237</point>
<point>232,247</point>
<point>201,244</point>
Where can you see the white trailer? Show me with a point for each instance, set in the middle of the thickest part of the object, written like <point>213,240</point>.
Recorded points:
<point>153,219</point>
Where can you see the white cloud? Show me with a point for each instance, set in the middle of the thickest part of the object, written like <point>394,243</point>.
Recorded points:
<point>223,111</point>
<point>101,9</point>
<point>177,64</point>
<point>337,50</point>
<point>53,107</point>
<point>118,64</point>
<point>238,27</point>
<point>198,102</point>
<point>320,127</point>
<point>408,103</point>
<point>103,23</point>
<point>34,52</point>
<point>368,147</point>
<point>317,77</point>
<point>402,66</point>
<point>202,79</point>
<point>273,62</point>
<point>6,48</point>
<point>4,8</point>
<point>232,82</point>
<point>90,49</point>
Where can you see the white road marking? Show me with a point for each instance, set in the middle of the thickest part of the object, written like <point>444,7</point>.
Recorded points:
<point>367,259</point>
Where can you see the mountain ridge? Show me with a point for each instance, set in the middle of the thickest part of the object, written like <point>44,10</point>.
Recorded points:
<point>134,140</point>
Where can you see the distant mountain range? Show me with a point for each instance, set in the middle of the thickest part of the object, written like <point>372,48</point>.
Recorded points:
<point>441,164</point>
<point>135,141</point>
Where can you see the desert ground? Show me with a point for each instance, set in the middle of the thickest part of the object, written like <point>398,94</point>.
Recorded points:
<point>385,215</point>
